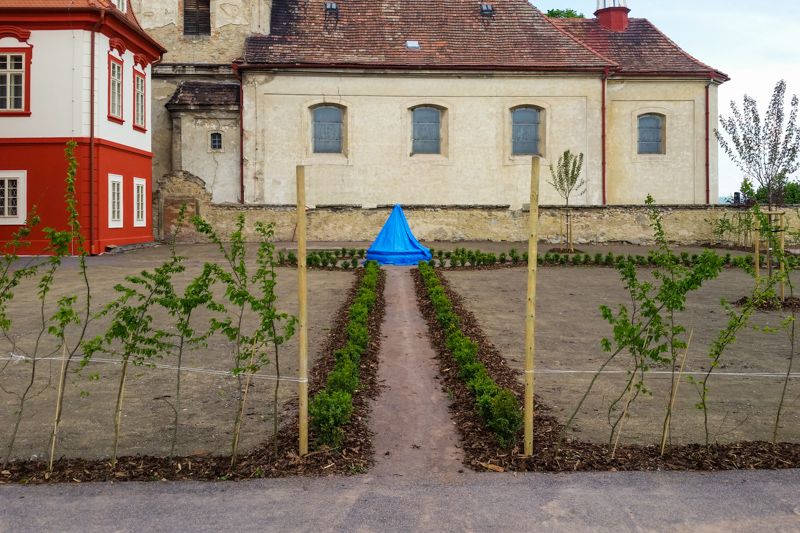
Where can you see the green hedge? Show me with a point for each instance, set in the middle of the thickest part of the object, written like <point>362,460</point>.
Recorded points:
<point>497,406</point>
<point>332,407</point>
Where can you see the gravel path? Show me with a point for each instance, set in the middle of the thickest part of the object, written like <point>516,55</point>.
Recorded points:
<point>414,435</point>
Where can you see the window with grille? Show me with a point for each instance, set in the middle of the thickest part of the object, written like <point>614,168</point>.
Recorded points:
<point>139,102</point>
<point>526,125</point>
<point>427,130</point>
<point>215,141</point>
<point>114,88</point>
<point>114,201</point>
<point>12,82</point>
<point>139,202</point>
<point>13,197</point>
<point>328,130</point>
<point>196,17</point>
<point>652,133</point>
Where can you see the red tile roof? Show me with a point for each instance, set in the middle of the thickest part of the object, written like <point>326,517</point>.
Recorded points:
<point>451,33</point>
<point>202,93</point>
<point>128,16</point>
<point>641,49</point>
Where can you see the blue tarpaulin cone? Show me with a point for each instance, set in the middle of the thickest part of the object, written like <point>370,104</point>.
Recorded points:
<point>395,244</point>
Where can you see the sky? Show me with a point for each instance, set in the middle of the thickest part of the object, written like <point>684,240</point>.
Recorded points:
<point>755,42</point>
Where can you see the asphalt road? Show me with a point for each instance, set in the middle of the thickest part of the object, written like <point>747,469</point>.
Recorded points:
<point>730,501</point>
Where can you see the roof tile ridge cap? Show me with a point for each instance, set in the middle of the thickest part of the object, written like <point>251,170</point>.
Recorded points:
<point>576,39</point>
<point>681,50</point>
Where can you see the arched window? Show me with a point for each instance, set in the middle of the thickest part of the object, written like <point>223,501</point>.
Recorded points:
<point>215,141</point>
<point>427,131</point>
<point>526,131</point>
<point>328,129</point>
<point>652,133</point>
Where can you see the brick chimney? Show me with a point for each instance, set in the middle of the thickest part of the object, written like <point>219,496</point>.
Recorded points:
<point>612,14</point>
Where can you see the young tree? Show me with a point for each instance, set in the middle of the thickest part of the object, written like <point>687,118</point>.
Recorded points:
<point>566,179</point>
<point>766,151</point>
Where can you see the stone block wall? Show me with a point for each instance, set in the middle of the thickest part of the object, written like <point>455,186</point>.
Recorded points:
<point>684,224</point>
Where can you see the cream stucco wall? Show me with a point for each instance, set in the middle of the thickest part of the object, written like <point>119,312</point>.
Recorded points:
<point>677,176</point>
<point>476,166</point>
<point>231,22</point>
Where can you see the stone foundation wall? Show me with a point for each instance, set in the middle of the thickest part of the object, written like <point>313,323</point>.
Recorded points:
<point>683,224</point>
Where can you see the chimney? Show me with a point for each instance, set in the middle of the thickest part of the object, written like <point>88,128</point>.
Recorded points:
<point>613,14</point>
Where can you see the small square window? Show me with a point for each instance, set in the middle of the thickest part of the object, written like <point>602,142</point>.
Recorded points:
<point>13,197</point>
<point>215,141</point>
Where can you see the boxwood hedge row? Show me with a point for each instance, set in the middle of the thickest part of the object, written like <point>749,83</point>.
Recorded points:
<point>497,406</point>
<point>331,408</point>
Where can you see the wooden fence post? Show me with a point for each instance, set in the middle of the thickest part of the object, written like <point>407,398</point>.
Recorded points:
<point>302,294</point>
<point>530,317</point>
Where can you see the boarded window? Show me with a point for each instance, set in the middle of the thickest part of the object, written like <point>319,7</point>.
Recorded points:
<point>526,131</point>
<point>651,134</point>
<point>427,134</point>
<point>197,17</point>
<point>327,130</point>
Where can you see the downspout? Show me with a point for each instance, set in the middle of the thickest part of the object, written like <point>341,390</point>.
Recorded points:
<point>93,238</point>
<point>603,120</point>
<point>708,144</point>
<point>241,132</point>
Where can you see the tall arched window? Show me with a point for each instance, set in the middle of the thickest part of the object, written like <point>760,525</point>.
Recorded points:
<point>427,130</point>
<point>526,130</point>
<point>652,128</point>
<point>328,129</point>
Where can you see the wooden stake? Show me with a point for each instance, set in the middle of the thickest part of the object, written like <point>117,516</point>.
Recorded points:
<point>757,256</point>
<point>782,229</point>
<point>302,294</point>
<point>530,317</point>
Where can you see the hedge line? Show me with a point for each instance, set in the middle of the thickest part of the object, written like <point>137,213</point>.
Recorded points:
<point>475,258</point>
<point>332,407</point>
<point>497,406</point>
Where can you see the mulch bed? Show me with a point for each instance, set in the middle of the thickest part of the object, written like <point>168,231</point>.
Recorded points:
<point>790,303</point>
<point>355,455</point>
<point>482,453</point>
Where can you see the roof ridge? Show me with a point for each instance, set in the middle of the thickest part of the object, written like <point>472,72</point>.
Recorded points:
<point>574,38</point>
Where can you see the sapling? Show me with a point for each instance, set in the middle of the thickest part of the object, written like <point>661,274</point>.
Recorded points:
<point>566,180</point>
<point>66,314</point>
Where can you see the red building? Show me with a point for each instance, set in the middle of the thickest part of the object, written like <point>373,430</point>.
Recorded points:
<point>76,70</point>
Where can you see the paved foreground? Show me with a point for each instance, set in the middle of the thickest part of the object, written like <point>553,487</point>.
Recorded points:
<point>728,501</point>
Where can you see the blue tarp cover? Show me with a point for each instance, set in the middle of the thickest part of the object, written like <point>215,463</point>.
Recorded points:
<point>395,244</point>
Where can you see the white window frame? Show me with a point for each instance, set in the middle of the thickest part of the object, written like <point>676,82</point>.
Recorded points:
<point>22,197</point>
<point>115,94</point>
<point>112,221</point>
<point>8,74</point>
<point>122,5</point>
<point>139,100</point>
<point>139,222</point>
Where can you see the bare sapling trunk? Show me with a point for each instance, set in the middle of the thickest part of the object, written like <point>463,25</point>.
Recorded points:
<point>118,411</point>
<point>786,378</point>
<point>666,431</point>
<point>237,427</point>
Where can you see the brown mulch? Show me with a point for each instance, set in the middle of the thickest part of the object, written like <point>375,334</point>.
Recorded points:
<point>355,455</point>
<point>482,453</point>
<point>790,303</point>
<point>564,251</point>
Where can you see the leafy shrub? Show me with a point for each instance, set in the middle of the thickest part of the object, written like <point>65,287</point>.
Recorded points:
<point>329,412</point>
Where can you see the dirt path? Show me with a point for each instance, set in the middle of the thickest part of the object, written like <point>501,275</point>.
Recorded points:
<point>414,435</point>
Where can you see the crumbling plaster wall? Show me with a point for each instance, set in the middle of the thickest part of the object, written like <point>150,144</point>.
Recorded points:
<point>231,22</point>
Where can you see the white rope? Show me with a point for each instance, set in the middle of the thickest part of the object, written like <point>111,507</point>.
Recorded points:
<point>668,373</point>
<point>195,370</point>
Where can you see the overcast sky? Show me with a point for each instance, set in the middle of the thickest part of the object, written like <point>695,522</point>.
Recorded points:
<point>755,42</point>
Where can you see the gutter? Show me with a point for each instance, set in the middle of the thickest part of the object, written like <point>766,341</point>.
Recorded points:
<point>93,227</point>
<point>708,144</point>
<point>236,71</point>
<point>604,135</point>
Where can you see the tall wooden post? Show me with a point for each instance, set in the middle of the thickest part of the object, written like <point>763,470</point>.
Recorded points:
<point>302,294</point>
<point>757,256</point>
<point>782,229</point>
<point>530,317</point>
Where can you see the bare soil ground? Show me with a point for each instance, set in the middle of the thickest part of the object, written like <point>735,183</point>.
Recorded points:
<point>209,397</point>
<point>743,395</point>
